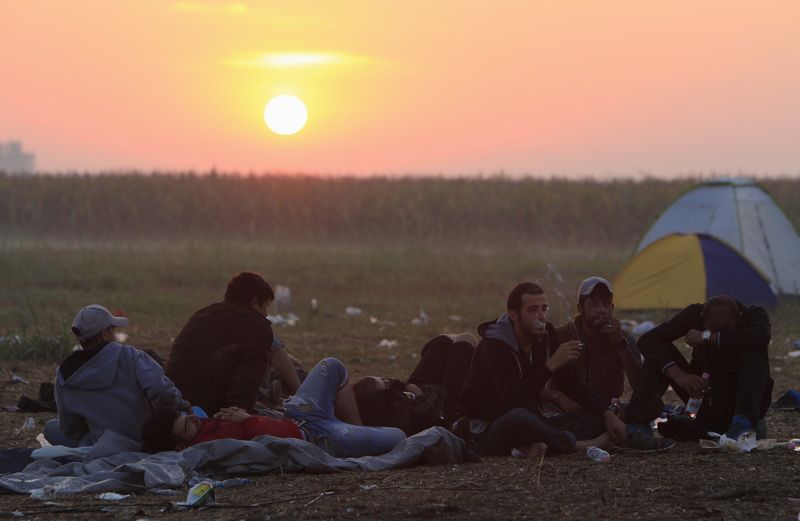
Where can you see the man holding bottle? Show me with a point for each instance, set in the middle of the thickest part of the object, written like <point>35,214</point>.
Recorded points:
<point>728,371</point>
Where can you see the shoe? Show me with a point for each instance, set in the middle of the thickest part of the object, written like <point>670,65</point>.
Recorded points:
<point>739,425</point>
<point>645,442</point>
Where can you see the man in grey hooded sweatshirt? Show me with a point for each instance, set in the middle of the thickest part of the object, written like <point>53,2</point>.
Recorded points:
<point>106,385</point>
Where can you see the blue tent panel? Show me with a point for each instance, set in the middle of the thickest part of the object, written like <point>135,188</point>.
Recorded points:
<point>727,273</point>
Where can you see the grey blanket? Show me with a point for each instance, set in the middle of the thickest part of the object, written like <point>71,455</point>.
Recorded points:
<point>110,467</point>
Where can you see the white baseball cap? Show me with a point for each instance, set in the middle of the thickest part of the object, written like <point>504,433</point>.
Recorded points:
<point>588,285</point>
<point>92,320</point>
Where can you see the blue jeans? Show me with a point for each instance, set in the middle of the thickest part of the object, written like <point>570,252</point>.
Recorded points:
<point>314,404</point>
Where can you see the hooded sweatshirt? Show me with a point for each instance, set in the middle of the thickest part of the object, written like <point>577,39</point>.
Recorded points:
<point>502,376</point>
<point>117,388</point>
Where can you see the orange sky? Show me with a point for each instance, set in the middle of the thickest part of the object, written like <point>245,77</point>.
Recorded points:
<point>611,87</point>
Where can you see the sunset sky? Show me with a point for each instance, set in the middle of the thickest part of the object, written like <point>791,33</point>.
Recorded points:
<point>453,87</point>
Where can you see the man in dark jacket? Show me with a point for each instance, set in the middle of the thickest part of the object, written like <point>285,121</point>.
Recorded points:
<point>609,354</point>
<point>222,354</point>
<point>729,342</point>
<point>517,356</point>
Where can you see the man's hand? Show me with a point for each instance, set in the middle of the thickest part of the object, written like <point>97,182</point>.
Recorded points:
<point>615,427</point>
<point>566,353</point>
<point>613,331</point>
<point>694,338</point>
<point>691,383</point>
<point>232,414</point>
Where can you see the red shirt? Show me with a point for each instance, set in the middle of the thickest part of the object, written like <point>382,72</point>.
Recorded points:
<point>215,429</point>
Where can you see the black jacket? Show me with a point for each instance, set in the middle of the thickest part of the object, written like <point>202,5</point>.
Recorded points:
<point>503,377</point>
<point>753,331</point>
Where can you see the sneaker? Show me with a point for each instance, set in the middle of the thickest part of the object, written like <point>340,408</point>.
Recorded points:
<point>645,442</point>
<point>739,425</point>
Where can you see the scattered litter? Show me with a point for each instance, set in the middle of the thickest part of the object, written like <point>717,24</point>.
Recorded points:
<point>17,379</point>
<point>112,496</point>
<point>794,444</point>
<point>314,304</point>
<point>352,311</point>
<point>165,491</point>
<point>796,344</point>
<point>228,483</point>
<point>17,513</point>
<point>373,320</point>
<point>794,354</point>
<point>46,493</point>
<point>387,344</point>
<point>29,425</point>
<point>421,320</point>
<point>392,358</point>
<point>454,318</point>
<point>643,327</point>
<point>121,337</point>
<point>368,487</point>
<point>292,320</point>
<point>516,453</point>
<point>9,408</point>
<point>413,355</point>
<point>283,298</point>
<point>744,443</point>
<point>597,454</point>
<point>200,495</point>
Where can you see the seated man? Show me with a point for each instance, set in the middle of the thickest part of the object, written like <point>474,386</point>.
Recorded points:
<point>323,411</point>
<point>106,385</point>
<point>609,354</point>
<point>224,351</point>
<point>729,342</point>
<point>518,354</point>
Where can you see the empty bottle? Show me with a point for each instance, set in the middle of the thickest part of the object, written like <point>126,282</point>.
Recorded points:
<point>693,405</point>
<point>597,454</point>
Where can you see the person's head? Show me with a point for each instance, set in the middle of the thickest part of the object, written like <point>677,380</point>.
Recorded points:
<point>720,313</point>
<point>95,324</point>
<point>383,402</point>
<point>167,428</point>
<point>527,308</point>
<point>249,290</point>
<point>595,301</point>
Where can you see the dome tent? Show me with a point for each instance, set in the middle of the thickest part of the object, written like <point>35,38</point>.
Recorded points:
<point>677,270</point>
<point>742,215</point>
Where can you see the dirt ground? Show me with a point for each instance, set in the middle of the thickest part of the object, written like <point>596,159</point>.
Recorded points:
<point>684,483</point>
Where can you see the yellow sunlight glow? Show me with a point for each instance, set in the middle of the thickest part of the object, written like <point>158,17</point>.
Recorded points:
<point>285,115</point>
<point>297,59</point>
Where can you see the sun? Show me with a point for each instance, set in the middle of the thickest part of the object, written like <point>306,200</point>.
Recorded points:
<point>286,115</point>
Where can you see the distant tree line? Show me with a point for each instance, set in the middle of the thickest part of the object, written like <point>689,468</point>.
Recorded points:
<point>197,207</point>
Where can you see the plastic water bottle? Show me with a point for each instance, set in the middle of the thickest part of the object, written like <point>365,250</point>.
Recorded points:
<point>693,405</point>
<point>597,454</point>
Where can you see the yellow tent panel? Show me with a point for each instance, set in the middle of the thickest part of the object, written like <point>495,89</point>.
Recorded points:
<point>669,273</point>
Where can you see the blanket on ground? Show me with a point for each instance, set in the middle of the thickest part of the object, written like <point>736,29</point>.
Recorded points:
<point>109,467</point>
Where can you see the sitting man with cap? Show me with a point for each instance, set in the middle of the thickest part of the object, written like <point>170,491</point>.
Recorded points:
<point>609,354</point>
<point>106,385</point>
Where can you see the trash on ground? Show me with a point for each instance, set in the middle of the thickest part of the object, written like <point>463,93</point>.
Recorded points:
<point>794,444</point>
<point>794,354</point>
<point>796,344</point>
<point>28,425</point>
<point>227,483</point>
<point>744,443</point>
<point>421,320</point>
<point>17,379</point>
<point>352,311</point>
<point>46,493</point>
<point>368,487</point>
<point>283,298</point>
<point>455,318</point>
<point>112,496</point>
<point>597,454</point>
<point>121,337</point>
<point>387,344</point>
<point>200,495</point>
<point>373,320</point>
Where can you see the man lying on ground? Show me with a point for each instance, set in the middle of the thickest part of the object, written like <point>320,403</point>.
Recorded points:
<point>432,394</point>
<point>608,355</point>
<point>106,385</point>
<point>224,351</point>
<point>323,411</point>
<point>518,354</point>
<point>729,342</point>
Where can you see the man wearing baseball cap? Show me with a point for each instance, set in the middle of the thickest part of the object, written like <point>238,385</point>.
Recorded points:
<point>106,385</point>
<point>609,354</point>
